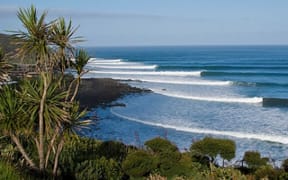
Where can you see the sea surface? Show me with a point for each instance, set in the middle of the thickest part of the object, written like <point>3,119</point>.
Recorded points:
<point>235,92</point>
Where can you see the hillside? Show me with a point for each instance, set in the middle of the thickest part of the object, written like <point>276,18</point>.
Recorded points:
<point>6,43</point>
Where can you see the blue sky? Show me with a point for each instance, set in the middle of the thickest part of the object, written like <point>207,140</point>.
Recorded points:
<point>164,22</point>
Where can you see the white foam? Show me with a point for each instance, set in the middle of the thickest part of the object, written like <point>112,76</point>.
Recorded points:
<point>205,83</point>
<point>214,99</point>
<point>262,137</point>
<point>157,73</point>
<point>180,82</point>
<point>104,60</point>
<point>128,67</point>
<point>113,63</point>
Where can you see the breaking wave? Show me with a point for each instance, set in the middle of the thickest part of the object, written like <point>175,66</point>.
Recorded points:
<point>262,137</point>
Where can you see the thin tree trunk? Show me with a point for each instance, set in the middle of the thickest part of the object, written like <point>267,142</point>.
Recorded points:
<point>76,89</point>
<point>69,89</point>
<point>41,124</point>
<point>51,146</point>
<point>59,150</point>
<point>22,151</point>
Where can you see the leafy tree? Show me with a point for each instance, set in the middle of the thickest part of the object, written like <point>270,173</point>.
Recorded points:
<point>211,147</point>
<point>253,159</point>
<point>166,153</point>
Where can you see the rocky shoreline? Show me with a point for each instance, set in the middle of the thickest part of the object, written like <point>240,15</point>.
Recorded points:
<point>102,92</point>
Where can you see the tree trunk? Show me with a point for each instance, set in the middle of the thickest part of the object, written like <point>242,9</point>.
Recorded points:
<point>59,150</point>
<point>41,124</point>
<point>51,146</point>
<point>22,150</point>
<point>69,89</point>
<point>76,89</point>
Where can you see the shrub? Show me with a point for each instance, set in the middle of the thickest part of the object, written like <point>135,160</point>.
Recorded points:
<point>112,149</point>
<point>158,145</point>
<point>285,165</point>
<point>138,164</point>
<point>267,172</point>
<point>222,173</point>
<point>211,147</point>
<point>166,152</point>
<point>8,172</point>
<point>253,159</point>
<point>98,169</point>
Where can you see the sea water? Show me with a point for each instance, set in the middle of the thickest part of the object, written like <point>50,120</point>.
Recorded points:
<point>234,92</point>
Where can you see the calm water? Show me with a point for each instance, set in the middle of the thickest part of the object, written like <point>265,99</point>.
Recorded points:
<point>197,92</point>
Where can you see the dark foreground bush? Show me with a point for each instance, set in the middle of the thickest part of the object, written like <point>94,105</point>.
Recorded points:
<point>254,160</point>
<point>8,172</point>
<point>112,149</point>
<point>98,169</point>
<point>138,164</point>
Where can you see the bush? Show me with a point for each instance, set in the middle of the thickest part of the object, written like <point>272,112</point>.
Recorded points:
<point>285,165</point>
<point>211,147</point>
<point>222,173</point>
<point>253,159</point>
<point>158,145</point>
<point>166,152</point>
<point>8,172</point>
<point>267,172</point>
<point>112,149</point>
<point>98,169</point>
<point>138,164</point>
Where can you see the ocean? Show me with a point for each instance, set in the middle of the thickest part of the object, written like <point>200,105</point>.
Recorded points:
<point>234,92</point>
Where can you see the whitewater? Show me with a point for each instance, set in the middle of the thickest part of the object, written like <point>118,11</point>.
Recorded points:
<point>198,92</point>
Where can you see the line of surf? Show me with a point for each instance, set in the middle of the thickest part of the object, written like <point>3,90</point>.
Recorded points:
<point>253,100</point>
<point>202,83</point>
<point>128,67</point>
<point>262,137</point>
<point>157,73</point>
<point>104,60</point>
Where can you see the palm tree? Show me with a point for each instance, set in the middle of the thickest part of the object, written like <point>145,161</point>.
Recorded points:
<point>62,35</point>
<point>81,60</point>
<point>12,119</point>
<point>35,40</point>
<point>45,99</point>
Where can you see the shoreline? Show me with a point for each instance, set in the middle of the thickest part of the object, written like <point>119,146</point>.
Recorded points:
<point>96,92</point>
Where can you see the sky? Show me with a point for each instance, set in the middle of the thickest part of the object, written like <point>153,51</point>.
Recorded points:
<point>163,22</point>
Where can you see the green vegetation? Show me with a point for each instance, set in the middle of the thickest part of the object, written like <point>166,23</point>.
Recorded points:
<point>39,118</point>
<point>211,147</point>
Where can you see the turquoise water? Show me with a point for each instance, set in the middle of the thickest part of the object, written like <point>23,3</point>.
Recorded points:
<point>236,92</point>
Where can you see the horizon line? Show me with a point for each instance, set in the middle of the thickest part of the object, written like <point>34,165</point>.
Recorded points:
<point>178,45</point>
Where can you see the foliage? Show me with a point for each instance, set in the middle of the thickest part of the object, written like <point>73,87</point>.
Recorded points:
<point>222,173</point>
<point>285,165</point>
<point>253,159</point>
<point>159,145</point>
<point>267,172</point>
<point>211,147</point>
<point>98,169</point>
<point>167,153</point>
<point>42,112</point>
<point>138,164</point>
<point>7,171</point>
<point>112,150</point>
